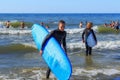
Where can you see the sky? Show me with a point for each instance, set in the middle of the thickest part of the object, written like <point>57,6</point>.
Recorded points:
<point>59,6</point>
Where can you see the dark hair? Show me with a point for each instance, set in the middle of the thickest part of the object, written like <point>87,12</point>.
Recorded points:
<point>62,21</point>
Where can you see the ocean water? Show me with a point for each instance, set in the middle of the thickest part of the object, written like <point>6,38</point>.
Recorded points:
<point>20,60</point>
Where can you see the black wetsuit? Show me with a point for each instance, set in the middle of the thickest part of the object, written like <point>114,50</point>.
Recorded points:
<point>85,34</point>
<point>117,27</point>
<point>60,36</point>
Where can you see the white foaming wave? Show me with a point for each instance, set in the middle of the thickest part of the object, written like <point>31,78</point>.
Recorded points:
<point>76,45</point>
<point>11,30</point>
<point>100,45</point>
<point>108,44</point>
<point>95,28</point>
<point>34,75</point>
<point>40,74</point>
<point>80,30</point>
<point>5,77</point>
<point>77,30</point>
<point>4,30</point>
<point>94,72</point>
<point>14,31</point>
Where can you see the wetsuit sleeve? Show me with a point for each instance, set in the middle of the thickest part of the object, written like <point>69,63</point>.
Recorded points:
<point>64,43</point>
<point>83,35</point>
<point>94,35</point>
<point>46,39</point>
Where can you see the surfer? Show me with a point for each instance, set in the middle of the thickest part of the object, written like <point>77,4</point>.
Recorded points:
<point>86,33</point>
<point>60,35</point>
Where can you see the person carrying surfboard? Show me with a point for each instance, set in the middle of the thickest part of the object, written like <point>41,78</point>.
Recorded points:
<point>60,35</point>
<point>85,36</point>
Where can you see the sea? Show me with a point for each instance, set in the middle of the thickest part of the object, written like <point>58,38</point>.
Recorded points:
<point>20,59</point>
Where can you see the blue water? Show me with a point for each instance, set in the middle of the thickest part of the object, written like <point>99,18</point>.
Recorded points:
<point>69,18</point>
<point>15,55</point>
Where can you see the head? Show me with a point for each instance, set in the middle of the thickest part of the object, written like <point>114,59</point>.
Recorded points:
<point>61,25</point>
<point>47,26</point>
<point>89,25</point>
<point>81,22</point>
<point>42,24</point>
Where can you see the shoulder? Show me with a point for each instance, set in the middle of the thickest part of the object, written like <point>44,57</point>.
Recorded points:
<point>65,32</point>
<point>56,30</point>
<point>92,30</point>
<point>85,29</point>
<point>59,31</point>
<point>52,32</point>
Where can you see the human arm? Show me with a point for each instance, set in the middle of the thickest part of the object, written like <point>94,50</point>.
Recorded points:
<point>94,36</point>
<point>83,39</point>
<point>45,41</point>
<point>64,43</point>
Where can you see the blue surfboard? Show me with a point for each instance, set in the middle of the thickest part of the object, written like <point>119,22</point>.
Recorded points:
<point>118,78</point>
<point>53,54</point>
<point>91,40</point>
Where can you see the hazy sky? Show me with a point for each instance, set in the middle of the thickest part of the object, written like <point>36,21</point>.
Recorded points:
<point>59,6</point>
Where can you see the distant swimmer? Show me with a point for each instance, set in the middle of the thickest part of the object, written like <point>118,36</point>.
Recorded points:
<point>81,24</point>
<point>42,24</point>
<point>47,26</point>
<point>7,24</point>
<point>85,35</point>
<point>105,25</point>
<point>22,24</point>
<point>112,25</point>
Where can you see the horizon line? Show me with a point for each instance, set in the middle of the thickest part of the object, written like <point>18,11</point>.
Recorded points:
<point>55,13</point>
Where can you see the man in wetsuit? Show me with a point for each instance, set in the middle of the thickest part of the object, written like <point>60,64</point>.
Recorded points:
<point>86,33</point>
<point>60,35</point>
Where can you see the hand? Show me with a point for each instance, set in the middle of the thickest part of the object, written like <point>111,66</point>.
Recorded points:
<point>41,52</point>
